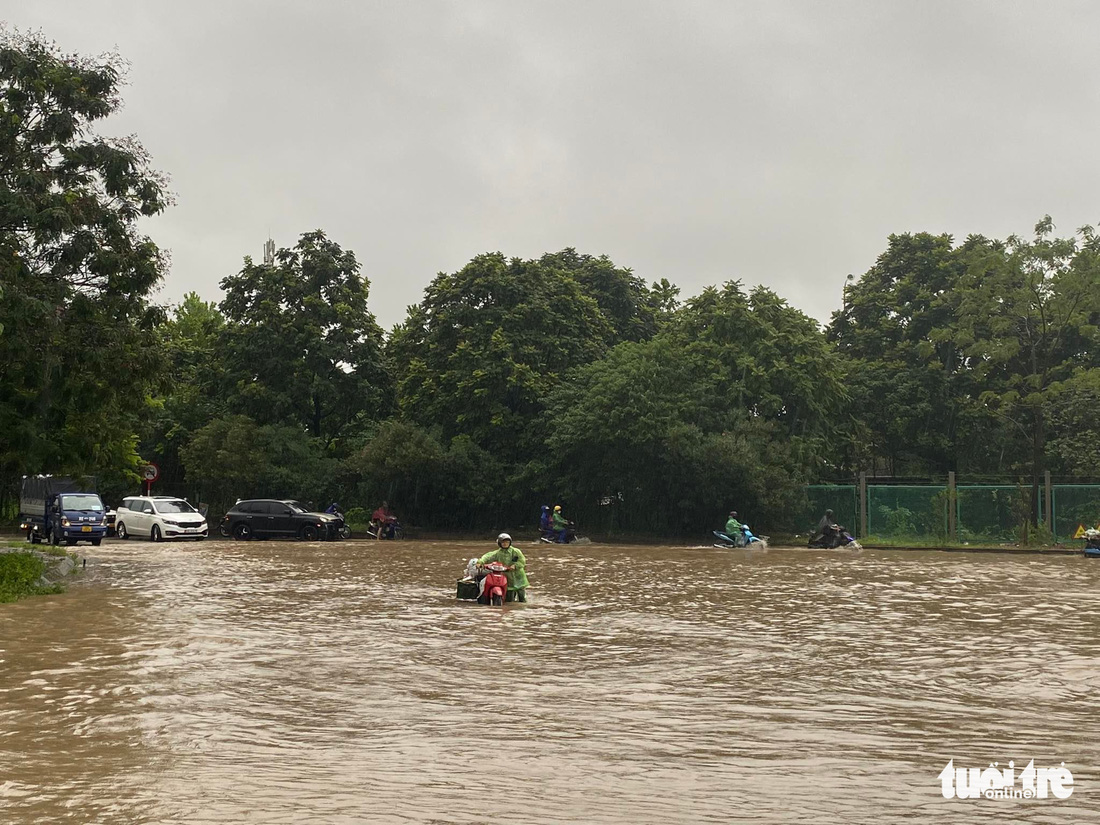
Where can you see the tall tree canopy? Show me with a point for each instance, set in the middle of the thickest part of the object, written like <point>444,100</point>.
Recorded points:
<point>195,394</point>
<point>78,352</point>
<point>732,403</point>
<point>769,359</point>
<point>1026,317</point>
<point>300,344</point>
<point>908,381</point>
<point>480,352</point>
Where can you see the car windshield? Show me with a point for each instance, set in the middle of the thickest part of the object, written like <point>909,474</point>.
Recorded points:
<point>174,506</point>
<point>297,507</point>
<point>82,501</point>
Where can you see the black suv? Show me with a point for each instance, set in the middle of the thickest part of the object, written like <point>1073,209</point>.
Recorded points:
<point>268,517</point>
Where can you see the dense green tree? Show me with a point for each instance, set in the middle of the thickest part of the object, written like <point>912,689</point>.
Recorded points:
<point>486,344</point>
<point>1073,443</point>
<point>769,359</point>
<point>429,484</point>
<point>647,439</point>
<point>1025,316</point>
<point>78,354</point>
<point>194,393</point>
<point>233,457</point>
<point>909,386</point>
<point>300,344</point>
<point>621,295</point>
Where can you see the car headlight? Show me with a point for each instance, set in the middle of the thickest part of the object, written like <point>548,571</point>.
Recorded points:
<point>173,523</point>
<point>65,522</point>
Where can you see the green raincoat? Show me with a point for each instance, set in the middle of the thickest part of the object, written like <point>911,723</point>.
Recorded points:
<point>517,579</point>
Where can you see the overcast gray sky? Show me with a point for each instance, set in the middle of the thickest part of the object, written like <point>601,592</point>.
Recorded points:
<point>775,142</point>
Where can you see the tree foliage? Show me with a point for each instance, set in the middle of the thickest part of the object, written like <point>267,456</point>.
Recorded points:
<point>193,395</point>
<point>480,352</point>
<point>300,344</point>
<point>233,457</point>
<point>1026,318</point>
<point>908,383</point>
<point>78,352</point>
<point>724,407</point>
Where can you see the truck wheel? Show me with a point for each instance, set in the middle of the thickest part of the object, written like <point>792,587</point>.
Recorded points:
<point>54,538</point>
<point>120,531</point>
<point>154,534</point>
<point>32,537</point>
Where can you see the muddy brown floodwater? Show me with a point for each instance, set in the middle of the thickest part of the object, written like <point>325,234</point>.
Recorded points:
<point>276,682</point>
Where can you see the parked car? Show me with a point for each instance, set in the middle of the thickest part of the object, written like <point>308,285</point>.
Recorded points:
<point>286,518</point>
<point>159,517</point>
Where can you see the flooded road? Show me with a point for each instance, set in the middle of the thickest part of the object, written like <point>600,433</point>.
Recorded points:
<point>275,682</point>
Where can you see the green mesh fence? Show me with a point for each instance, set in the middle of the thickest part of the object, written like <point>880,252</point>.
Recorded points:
<point>1074,505</point>
<point>991,512</point>
<point>907,512</point>
<point>842,499</point>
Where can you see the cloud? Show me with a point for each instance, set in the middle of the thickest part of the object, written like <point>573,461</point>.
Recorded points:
<point>778,143</point>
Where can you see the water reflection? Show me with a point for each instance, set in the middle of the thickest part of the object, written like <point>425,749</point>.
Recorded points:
<point>328,683</point>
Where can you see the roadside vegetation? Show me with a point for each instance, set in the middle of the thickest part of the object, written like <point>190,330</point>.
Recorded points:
<point>20,574</point>
<point>513,383</point>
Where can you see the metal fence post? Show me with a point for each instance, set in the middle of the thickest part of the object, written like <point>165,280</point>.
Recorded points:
<point>952,505</point>
<point>863,504</point>
<point>1048,501</point>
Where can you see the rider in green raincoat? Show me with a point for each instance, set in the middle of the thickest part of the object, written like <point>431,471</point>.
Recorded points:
<point>513,558</point>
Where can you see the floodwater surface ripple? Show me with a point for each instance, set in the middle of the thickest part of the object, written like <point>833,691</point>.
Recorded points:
<point>283,682</point>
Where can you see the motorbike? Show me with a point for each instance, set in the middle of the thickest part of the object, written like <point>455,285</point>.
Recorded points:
<point>835,536</point>
<point>571,537</point>
<point>488,586</point>
<point>1092,543</point>
<point>344,532</point>
<point>390,529</point>
<point>726,542</point>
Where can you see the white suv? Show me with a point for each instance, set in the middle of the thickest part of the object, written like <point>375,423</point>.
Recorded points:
<point>159,517</point>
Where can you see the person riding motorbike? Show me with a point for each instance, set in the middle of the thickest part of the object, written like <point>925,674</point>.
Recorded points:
<point>733,530</point>
<point>333,509</point>
<point>383,522</point>
<point>560,525</point>
<point>546,523</point>
<point>827,534</point>
<point>515,564</point>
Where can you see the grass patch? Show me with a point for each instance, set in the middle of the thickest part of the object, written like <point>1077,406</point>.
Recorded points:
<point>19,575</point>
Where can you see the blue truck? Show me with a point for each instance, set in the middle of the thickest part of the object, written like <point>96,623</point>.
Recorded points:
<point>57,510</point>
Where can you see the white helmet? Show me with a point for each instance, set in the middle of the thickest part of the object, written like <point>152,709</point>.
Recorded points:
<point>503,537</point>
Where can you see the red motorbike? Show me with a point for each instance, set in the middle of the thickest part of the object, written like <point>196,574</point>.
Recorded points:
<point>494,585</point>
